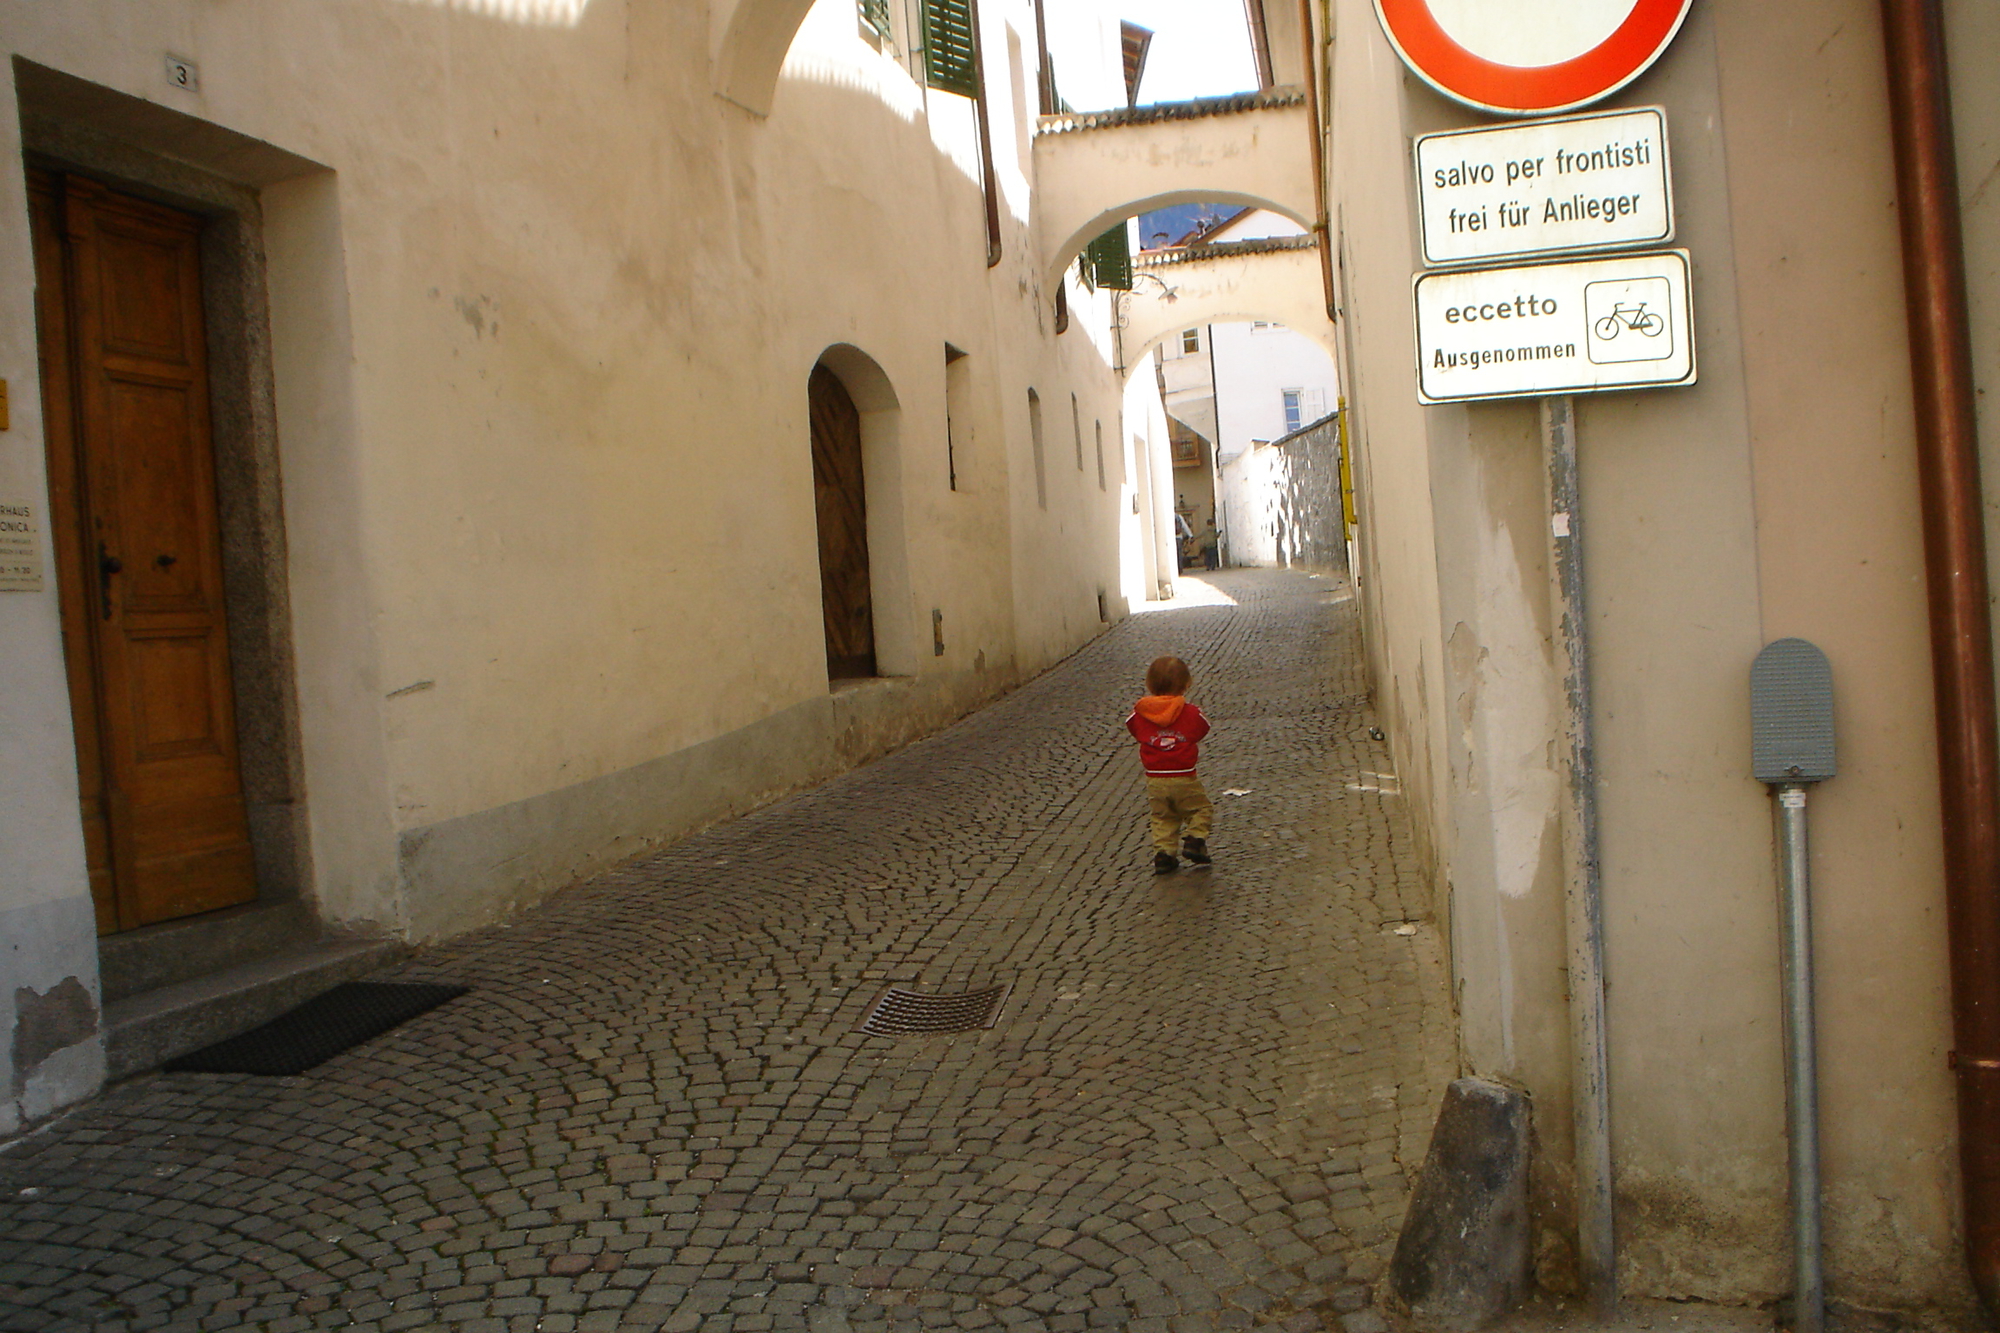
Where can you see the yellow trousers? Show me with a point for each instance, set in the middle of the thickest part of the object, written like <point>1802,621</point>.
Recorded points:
<point>1179,807</point>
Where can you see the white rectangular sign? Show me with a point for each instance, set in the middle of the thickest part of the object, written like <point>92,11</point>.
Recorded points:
<point>20,546</point>
<point>1589,182</point>
<point>1585,325</point>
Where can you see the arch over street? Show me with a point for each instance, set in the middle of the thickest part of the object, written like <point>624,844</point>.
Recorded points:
<point>1275,279</point>
<point>1093,170</point>
<point>747,45</point>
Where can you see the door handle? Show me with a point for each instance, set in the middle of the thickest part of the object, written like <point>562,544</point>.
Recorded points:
<point>107,565</point>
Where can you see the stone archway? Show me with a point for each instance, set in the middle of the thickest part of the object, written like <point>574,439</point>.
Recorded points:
<point>748,40</point>
<point>1277,280</point>
<point>1093,171</point>
<point>876,542</point>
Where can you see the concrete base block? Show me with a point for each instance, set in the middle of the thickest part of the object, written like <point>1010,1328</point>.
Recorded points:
<point>1463,1258</point>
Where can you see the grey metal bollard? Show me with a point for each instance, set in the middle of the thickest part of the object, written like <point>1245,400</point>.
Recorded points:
<point>1791,747</point>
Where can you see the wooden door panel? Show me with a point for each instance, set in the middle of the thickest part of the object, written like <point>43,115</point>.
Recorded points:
<point>186,828</point>
<point>172,688</point>
<point>183,881</point>
<point>150,553</point>
<point>163,479</point>
<point>75,579</point>
<point>840,505</point>
<point>147,298</point>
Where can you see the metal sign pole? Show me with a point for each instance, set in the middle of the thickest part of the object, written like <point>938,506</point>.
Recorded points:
<point>1583,905</point>
<point>1801,1076</point>
<point>1791,747</point>
<point>1588,323</point>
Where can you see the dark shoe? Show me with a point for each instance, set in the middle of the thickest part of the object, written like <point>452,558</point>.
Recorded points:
<point>1195,850</point>
<point>1165,863</point>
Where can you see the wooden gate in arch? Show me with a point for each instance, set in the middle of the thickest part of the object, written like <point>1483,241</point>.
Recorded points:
<point>841,504</point>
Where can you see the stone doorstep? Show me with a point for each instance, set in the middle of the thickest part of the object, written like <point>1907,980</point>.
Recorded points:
<point>144,1031</point>
<point>135,961</point>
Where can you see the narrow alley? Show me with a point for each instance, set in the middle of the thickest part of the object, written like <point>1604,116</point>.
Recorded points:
<point>1198,1109</point>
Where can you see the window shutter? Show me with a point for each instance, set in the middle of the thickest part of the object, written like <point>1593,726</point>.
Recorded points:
<point>1108,259</point>
<point>951,50</point>
<point>875,13</point>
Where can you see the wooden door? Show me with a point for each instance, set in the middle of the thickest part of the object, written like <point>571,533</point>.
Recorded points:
<point>841,502</point>
<point>138,553</point>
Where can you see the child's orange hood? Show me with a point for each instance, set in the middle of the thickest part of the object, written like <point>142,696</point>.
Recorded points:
<point>1160,709</point>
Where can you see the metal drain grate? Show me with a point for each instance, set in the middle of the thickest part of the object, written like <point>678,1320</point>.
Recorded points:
<point>897,1011</point>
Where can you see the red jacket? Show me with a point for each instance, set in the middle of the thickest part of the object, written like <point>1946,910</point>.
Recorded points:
<point>1168,728</point>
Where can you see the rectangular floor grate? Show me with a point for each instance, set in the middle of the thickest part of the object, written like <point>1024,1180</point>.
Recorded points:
<point>317,1030</point>
<point>897,1011</point>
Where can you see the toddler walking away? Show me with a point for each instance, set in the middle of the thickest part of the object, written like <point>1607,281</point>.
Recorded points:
<point>1169,731</point>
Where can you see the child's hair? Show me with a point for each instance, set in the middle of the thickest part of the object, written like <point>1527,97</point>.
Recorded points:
<point>1167,675</point>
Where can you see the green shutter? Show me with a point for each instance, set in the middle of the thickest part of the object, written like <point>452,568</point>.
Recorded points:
<point>875,13</point>
<point>951,49</point>
<point>1108,260</point>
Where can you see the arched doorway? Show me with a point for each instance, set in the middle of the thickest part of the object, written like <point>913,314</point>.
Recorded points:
<point>840,501</point>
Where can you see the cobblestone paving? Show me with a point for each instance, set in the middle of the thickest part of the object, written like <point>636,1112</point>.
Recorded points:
<point>1198,1110</point>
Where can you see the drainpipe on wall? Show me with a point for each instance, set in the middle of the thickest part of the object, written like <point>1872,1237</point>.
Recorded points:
<point>1312,53</point>
<point>1045,75</point>
<point>1961,632</point>
<point>1215,397</point>
<point>1260,42</point>
<point>1045,98</point>
<point>1214,447</point>
<point>1166,543</point>
<point>989,186</point>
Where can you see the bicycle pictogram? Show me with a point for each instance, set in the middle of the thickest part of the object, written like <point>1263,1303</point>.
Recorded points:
<point>1634,317</point>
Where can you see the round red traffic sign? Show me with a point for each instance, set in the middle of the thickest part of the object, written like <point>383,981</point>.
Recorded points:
<point>1528,57</point>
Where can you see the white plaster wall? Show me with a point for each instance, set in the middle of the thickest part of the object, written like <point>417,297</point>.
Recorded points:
<point>1775,497</point>
<point>1144,448</point>
<point>1840,560</point>
<point>1253,368</point>
<point>1397,564</point>
<point>47,924</point>
<point>542,331</point>
<point>1248,482</point>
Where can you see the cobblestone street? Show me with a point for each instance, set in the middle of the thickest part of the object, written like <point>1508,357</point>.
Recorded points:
<point>1199,1108</point>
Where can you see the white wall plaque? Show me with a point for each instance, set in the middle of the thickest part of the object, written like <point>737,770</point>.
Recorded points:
<point>1589,182</point>
<point>20,546</point>
<point>1577,327</point>
<point>183,74</point>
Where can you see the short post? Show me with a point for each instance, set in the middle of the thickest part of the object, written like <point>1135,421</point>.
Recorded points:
<point>1791,723</point>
